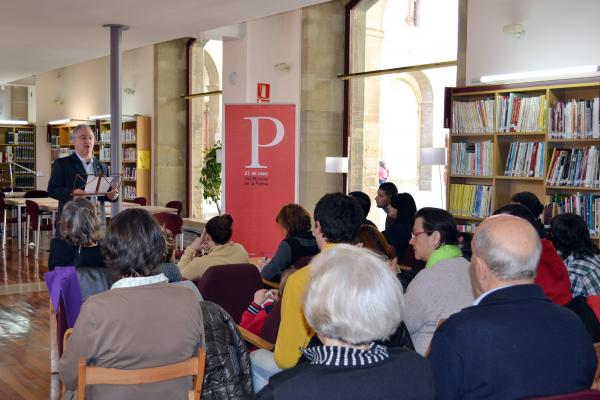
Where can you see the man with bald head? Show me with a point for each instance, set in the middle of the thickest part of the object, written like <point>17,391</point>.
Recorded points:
<point>513,342</point>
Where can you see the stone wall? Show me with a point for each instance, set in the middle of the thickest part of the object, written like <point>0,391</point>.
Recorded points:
<point>170,121</point>
<point>322,99</point>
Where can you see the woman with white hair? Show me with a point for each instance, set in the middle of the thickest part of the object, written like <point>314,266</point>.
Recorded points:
<point>353,299</point>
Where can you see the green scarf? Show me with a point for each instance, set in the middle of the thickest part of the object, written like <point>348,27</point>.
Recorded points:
<point>443,253</point>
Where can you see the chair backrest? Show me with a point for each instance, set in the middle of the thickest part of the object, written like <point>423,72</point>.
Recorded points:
<point>271,326</point>
<point>408,258</point>
<point>302,262</point>
<point>581,395</point>
<point>175,204</point>
<point>139,200</point>
<point>35,194</point>
<point>230,286</point>
<point>91,375</point>
<point>33,210</point>
<point>597,374</point>
<point>172,222</point>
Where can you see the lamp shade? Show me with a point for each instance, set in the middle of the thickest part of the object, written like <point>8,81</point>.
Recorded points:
<point>337,165</point>
<point>433,156</point>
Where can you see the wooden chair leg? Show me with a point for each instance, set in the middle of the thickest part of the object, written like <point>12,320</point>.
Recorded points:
<point>53,343</point>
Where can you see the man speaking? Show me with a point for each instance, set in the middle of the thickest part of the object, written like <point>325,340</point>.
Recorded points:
<point>64,183</point>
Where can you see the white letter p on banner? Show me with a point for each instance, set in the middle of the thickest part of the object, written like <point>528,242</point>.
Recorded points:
<point>279,133</point>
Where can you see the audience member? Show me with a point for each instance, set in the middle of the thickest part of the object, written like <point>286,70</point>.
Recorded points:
<point>384,194</point>
<point>215,239</point>
<point>167,264</point>
<point>444,286</point>
<point>513,342</point>
<point>401,210</point>
<point>364,202</point>
<point>141,322</point>
<point>370,238</point>
<point>79,235</point>
<point>551,273</point>
<point>384,173</point>
<point>337,219</point>
<point>534,205</point>
<point>294,221</point>
<point>349,364</point>
<point>571,237</point>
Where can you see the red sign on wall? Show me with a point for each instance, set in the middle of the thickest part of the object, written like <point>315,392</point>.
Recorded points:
<point>263,92</point>
<point>260,171</point>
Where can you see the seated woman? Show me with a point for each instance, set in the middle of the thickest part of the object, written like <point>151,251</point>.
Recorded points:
<point>141,322</point>
<point>444,286</point>
<point>219,249</point>
<point>571,238</point>
<point>370,238</point>
<point>299,241</point>
<point>80,233</point>
<point>402,210</point>
<point>353,300</point>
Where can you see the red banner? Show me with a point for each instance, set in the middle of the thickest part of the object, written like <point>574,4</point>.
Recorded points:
<point>260,171</point>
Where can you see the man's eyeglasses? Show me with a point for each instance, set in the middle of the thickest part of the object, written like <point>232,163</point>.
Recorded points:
<point>415,234</point>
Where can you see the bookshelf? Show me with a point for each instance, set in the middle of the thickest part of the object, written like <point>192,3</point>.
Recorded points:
<point>541,137</point>
<point>17,144</point>
<point>135,156</point>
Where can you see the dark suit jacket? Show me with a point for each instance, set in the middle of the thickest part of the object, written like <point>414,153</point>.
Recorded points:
<point>515,344</point>
<point>64,176</point>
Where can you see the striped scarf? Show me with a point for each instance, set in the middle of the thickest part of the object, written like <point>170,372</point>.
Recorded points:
<point>340,356</point>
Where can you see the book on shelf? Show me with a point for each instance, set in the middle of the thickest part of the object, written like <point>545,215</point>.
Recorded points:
<point>473,116</point>
<point>525,159</point>
<point>587,205</point>
<point>578,167</point>
<point>521,113</point>
<point>472,158</point>
<point>470,200</point>
<point>575,119</point>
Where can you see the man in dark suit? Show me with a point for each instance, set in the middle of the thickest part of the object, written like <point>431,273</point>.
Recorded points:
<point>514,342</point>
<point>68,177</point>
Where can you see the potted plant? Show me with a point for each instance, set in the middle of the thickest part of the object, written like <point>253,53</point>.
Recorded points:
<point>210,176</point>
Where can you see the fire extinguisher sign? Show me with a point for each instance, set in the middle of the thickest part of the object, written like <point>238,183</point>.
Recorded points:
<point>263,92</point>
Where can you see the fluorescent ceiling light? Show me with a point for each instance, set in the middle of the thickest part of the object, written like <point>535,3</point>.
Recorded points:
<point>534,75</point>
<point>59,121</point>
<point>103,116</point>
<point>12,122</point>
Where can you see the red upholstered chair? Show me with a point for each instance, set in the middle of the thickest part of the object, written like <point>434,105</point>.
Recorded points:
<point>34,222</point>
<point>175,204</point>
<point>139,200</point>
<point>230,286</point>
<point>172,222</point>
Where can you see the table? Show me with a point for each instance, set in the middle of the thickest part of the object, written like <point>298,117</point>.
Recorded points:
<point>50,204</point>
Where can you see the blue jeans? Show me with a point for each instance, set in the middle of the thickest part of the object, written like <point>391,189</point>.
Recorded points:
<point>263,367</point>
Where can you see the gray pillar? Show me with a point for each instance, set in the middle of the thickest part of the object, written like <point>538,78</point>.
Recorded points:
<point>115,105</point>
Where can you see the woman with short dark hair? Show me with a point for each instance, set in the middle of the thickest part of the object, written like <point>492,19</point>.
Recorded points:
<point>294,221</point>
<point>80,232</point>
<point>220,250</point>
<point>571,238</point>
<point>141,322</point>
<point>444,286</point>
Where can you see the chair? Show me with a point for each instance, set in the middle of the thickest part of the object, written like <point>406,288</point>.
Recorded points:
<point>91,375</point>
<point>230,286</point>
<point>35,194</point>
<point>139,200</point>
<point>5,220</point>
<point>175,204</point>
<point>587,394</point>
<point>34,222</point>
<point>172,222</point>
<point>597,374</point>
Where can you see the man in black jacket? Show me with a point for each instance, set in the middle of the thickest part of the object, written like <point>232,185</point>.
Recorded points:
<point>68,177</point>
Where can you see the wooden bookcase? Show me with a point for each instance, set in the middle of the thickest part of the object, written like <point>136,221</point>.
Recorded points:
<point>477,116</point>
<point>17,144</point>
<point>136,151</point>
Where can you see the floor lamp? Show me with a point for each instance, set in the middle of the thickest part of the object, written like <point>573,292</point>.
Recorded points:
<point>435,156</point>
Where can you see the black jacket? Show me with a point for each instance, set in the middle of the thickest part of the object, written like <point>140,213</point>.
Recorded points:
<point>228,374</point>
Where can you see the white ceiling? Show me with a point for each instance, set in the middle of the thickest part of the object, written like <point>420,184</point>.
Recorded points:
<point>39,36</point>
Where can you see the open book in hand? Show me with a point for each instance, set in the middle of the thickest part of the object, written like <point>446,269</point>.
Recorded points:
<point>100,185</point>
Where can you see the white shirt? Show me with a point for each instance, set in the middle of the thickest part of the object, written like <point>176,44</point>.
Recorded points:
<point>89,167</point>
<point>481,296</point>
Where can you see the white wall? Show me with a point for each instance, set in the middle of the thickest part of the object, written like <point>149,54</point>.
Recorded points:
<point>82,90</point>
<point>5,103</point>
<point>558,33</point>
